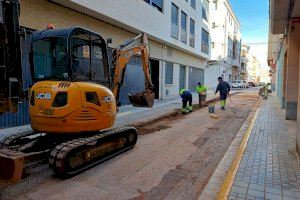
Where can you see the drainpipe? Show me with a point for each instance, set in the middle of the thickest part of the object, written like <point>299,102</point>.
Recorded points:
<point>162,74</point>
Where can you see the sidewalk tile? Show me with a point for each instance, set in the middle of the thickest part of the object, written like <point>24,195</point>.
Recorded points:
<point>267,169</point>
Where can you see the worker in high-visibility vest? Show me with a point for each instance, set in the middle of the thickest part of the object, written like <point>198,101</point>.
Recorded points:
<point>202,91</point>
<point>186,97</point>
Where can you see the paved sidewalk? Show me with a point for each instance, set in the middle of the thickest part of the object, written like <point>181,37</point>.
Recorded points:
<point>268,169</point>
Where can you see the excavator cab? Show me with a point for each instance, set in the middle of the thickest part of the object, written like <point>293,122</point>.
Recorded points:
<point>80,55</point>
<point>73,54</point>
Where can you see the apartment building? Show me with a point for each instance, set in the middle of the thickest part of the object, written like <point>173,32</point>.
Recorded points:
<point>178,32</point>
<point>226,44</point>
<point>284,58</point>
<point>245,57</point>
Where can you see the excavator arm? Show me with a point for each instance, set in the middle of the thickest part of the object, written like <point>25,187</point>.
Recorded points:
<point>10,56</point>
<point>121,56</point>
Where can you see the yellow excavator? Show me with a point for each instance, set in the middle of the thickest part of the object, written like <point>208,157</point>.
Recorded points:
<point>74,103</point>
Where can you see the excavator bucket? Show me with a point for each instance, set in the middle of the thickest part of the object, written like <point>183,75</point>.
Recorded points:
<point>11,166</point>
<point>142,99</point>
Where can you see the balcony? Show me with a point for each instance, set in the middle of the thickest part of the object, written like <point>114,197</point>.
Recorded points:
<point>192,40</point>
<point>183,36</point>
<point>174,30</point>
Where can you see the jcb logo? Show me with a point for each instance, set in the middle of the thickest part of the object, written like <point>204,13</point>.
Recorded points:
<point>107,99</point>
<point>46,96</point>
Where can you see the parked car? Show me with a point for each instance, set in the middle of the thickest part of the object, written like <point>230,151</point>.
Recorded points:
<point>251,84</point>
<point>239,84</point>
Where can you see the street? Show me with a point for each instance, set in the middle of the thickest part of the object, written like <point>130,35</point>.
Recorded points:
<point>173,159</point>
<point>149,100</point>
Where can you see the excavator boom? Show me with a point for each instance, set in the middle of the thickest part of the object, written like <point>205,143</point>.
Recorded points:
<point>10,56</point>
<point>121,56</point>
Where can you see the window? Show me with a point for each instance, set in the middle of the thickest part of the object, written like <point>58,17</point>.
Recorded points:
<point>174,21</point>
<point>205,41</point>
<point>242,66</point>
<point>212,45</point>
<point>158,4</point>
<point>183,35</point>
<point>169,73</point>
<point>206,5</point>
<point>230,46</point>
<point>205,9</point>
<point>213,25</point>
<point>215,4</point>
<point>92,97</point>
<point>86,58</point>
<point>193,4</point>
<point>192,32</point>
<point>204,16</point>
<point>50,58</point>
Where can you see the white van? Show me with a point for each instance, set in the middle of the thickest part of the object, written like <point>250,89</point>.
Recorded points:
<point>239,84</point>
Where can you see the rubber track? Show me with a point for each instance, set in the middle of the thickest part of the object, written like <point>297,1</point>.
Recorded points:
<point>60,152</point>
<point>6,141</point>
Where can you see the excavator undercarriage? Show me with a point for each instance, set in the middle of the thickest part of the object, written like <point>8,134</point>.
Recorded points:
<point>68,155</point>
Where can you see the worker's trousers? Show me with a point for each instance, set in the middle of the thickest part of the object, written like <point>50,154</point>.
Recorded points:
<point>185,100</point>
<point>202,100</point>
<point>223,98</point>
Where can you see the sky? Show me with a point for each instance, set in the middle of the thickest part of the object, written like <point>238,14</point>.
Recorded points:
<point>253,16</point>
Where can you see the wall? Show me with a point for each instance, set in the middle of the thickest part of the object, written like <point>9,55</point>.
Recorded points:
<point>139,15</point>
<point>212,72</point>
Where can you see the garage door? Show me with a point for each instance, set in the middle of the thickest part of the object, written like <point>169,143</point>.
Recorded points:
<point>133,80</point>
<point>195,75</point>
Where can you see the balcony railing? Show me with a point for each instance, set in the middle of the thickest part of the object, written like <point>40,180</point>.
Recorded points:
<point>183,36</point>
<point>174,30</point>
<point>192,40</point>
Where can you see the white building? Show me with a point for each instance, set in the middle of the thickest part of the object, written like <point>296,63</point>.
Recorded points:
<point>225,44</point>
<point>178,32</point>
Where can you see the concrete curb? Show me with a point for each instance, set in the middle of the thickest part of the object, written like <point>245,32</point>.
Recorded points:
<point>221,181</point>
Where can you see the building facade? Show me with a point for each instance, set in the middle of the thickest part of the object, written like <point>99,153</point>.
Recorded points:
<point>284,58</point>
<point>226,44</point>
<point>245,56</point>
<point>179,36</point>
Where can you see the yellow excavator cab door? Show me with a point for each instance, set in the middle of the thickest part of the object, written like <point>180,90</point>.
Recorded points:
<point>142,99</point>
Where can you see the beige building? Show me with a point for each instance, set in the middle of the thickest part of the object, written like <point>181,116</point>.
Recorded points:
<point>250,66</point>
<point>284,57</point>
<point>179,35</point>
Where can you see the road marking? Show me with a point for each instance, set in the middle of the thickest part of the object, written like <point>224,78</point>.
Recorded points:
<point>228,181</point>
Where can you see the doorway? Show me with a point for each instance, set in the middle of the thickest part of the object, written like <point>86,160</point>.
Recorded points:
<point>154,69</point>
